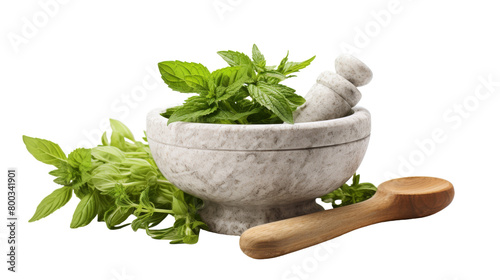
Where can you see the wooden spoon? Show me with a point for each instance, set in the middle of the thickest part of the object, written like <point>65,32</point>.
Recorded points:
<point>403,198</point>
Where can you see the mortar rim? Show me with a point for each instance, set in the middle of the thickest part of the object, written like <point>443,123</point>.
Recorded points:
<point>259,136</point>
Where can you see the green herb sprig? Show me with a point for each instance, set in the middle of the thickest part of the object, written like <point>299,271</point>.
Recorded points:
<point>114,181</point>
<point>350,194</point>
<point>246,92</point>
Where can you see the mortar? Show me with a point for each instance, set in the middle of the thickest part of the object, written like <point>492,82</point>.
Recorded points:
<point>249,175</point>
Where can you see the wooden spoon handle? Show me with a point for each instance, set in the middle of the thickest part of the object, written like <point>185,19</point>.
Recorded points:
<point>286,236</point>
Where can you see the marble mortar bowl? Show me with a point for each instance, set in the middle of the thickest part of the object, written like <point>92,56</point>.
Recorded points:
<point>253,174</point>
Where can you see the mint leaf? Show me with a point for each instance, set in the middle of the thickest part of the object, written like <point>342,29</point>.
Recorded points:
<point>85,211</point>
<point>52,202</point>
<point>291,67</point>
<point>232,89</point>
<point>221,91</point>
<point>283,62</point>
<point>269,96</point>
<point>169,111</point>
<point>235,58</point>
<point>198,83</point>
<point>240,97</point>
<point>258,57</point>
<point>223,116</point>
<point>227,76</point>
<point>184,77</point>
<point>45,151</point>
<point>293,99</point>
<point>273,76</point>
<point>228,81</point>
<point>194,107</point>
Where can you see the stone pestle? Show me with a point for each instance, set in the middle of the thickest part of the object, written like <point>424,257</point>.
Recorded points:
<point>334,94</point>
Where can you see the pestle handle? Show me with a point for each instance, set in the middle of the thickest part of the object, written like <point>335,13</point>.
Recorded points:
<point>334,94</point>
<point>286,236</point>
<point>353,70</point>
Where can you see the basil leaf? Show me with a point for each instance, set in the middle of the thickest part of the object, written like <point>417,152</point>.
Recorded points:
<point>190,239</point>
<point>104,139</point>
<point>141,221</point>
<point>65,174</point>
<point>117,215</point>
<point>148,220</point>
<point>120,128</point>
<point>118,141</point>
<point>144,200</point>
<point>85,211</point>
<point>105,182</point>
<point>104,203</point>
<point>45,151</point>
<point>155,219</point>
<point>108,154</point>
<point>179,205</point>
<point>164,193</point>
<point>174,74</point>
<point>167,234</point>
<point>269,96</point>
<point>106,176</point>
<point>80,159</point>
<point>52,202</point>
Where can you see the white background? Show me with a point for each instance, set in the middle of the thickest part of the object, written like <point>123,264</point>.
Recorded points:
<point>83,62</point>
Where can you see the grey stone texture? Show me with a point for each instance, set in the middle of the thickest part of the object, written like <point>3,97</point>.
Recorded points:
<point>253,174</point>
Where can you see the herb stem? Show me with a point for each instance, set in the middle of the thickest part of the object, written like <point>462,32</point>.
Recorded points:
<point>131,184</point>
<point>137,206</point>
<point>144,154</point>
<point>163,211</point>
<point>163,181</point>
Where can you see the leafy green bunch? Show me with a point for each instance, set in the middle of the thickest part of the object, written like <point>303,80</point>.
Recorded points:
<point>246,92</point>
<point>114,181</point>
<point>350,194</point>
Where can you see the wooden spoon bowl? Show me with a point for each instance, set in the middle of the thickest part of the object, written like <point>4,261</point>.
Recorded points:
<point>397,199</point>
